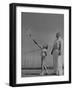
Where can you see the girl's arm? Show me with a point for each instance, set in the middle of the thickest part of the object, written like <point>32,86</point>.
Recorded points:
<point>37,44</point>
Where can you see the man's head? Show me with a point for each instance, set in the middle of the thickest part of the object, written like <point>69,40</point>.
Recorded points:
<point>58,35</point>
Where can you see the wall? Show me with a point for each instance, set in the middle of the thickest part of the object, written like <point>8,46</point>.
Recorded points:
<point>43,29</point>
<point>4,45</point>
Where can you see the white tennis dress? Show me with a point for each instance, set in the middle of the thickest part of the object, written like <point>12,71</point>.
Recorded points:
<point>60,69</point>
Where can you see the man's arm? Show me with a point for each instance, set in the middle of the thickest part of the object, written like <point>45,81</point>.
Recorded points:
<point>53,47</point>
<point>60,48</point>
<point>52,51</point>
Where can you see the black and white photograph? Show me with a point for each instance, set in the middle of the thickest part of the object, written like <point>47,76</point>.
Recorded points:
<point>40,44</point>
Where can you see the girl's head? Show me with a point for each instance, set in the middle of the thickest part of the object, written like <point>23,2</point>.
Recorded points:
<point>45,46</point>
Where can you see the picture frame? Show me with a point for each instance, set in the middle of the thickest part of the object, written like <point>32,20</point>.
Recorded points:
<point>34,16</point>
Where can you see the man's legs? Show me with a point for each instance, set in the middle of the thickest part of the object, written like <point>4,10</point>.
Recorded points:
<point>60,68</point>
<point>55,61</point>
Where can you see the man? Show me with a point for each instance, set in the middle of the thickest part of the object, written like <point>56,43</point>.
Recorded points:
<point>60,69</point>
<point>57,53</point>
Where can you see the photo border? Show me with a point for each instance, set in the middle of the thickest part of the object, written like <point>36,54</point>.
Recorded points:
<point>12,70</point>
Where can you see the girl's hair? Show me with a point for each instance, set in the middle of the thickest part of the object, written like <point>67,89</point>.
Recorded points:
<point>45,46</point>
